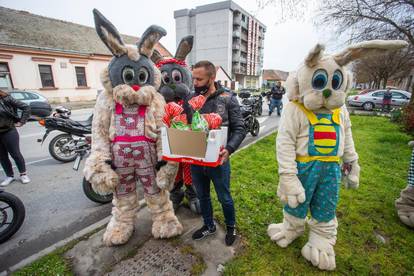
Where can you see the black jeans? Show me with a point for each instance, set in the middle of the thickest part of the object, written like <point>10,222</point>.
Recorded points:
<point>221,179</point>
<point>9,144</point>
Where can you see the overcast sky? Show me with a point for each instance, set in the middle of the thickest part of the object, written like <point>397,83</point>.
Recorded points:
<point>286,44</point>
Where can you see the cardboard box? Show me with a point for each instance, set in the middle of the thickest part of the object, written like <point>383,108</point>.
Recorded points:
<point>193,147</point>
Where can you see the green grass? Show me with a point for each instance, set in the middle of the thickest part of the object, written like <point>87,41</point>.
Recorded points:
<point>384,158</point>
<point>52,264</point>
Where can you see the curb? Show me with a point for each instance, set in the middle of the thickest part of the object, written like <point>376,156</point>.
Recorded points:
<point>257,140</point>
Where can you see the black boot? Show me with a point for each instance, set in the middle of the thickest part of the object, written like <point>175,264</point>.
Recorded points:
<point>230,235</point>
<point>193,201</point>
<point>177,195</point>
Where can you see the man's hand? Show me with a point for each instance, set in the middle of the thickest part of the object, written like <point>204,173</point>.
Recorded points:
<point>224,154</point>
<point>18,124</point>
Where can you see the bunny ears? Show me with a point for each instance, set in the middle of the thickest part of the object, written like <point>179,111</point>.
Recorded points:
<point>112,39</point>
<point>183,49</point>
<point>354,52</point>
<point>368,48</point>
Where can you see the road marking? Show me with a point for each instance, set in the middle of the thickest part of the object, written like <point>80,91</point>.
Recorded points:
<point>261,119</point>
<point>32,162</point>
<point>261,128</point>
<point>32,135</point>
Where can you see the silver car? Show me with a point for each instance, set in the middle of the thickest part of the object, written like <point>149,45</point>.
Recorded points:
<point>373,99</point>
<point>39,105</point>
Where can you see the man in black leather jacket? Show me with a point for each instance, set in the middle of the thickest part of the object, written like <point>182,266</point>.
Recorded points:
<point>226,105</point>
<point>9,137</point>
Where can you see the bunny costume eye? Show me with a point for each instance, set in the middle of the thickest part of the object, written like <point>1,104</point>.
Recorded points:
<point>176,75</point>
<point>143,76</point>
<point>319,79</point>
<point>128,75</point>
<point>337,79</point>
<point>165,77</point>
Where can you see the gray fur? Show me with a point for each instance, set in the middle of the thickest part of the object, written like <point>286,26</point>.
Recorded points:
<point>184,48</point>
<point>149,38</point>
<point>101,24</point>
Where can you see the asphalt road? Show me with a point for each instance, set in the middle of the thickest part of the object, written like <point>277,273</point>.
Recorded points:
<point>55,204</point>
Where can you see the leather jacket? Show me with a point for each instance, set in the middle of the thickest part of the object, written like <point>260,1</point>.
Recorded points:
<point>8,112</point>
<point>226,105</point>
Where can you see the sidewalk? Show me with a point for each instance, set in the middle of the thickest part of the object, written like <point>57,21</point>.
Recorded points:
<point>76,105</point>
<point>143,255</point>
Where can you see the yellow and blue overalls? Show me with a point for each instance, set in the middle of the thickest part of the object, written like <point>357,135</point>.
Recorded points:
<point>320,171</point>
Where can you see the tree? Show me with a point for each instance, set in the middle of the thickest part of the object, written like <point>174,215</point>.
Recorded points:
<point>285,9</point>
<point>372,19</point>
<point>379,69</point>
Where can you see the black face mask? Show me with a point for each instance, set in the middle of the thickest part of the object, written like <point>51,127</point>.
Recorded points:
<point>202,89</point>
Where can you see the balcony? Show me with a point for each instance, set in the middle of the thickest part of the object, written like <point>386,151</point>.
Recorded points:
<point>243,48</point>
<point>237,19</point>
<point>236,46</point>
<point>236,33</point>
<point>244,25</point>
<point>243,59</point>
<point>239,69</point>
<point>236,57</point>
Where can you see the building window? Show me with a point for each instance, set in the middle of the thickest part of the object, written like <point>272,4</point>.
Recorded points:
<point>81,76</point>
<point>46,76</point>
<point>243,18</point>
<point>5,78</point>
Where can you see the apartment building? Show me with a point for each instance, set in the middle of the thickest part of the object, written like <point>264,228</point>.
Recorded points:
<point>228,36</point>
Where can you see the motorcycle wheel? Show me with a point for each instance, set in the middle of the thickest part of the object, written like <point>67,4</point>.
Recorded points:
<point>260,110</point>
<point>17,214</point>
<point>255,128</point>
<point>55,148</point>
<point>92,195</point>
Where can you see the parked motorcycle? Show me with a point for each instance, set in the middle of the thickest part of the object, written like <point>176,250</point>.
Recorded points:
<point>63,146</point>
<point>251,123</point>
<point>255,101</point>
<point>12,214</point>
<point>82,153</point>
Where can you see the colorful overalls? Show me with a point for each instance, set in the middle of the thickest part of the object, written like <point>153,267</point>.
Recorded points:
<point>411,170</point>
<point>320,172</point>
<point>134,154</point>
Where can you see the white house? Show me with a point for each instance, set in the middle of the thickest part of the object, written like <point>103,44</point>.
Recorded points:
<point>60,60</point>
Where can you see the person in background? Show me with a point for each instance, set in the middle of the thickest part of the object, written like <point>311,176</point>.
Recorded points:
<point>386,100</point>
<point>226,105</point>
<point>9,137</point>
<point>276,96</point>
